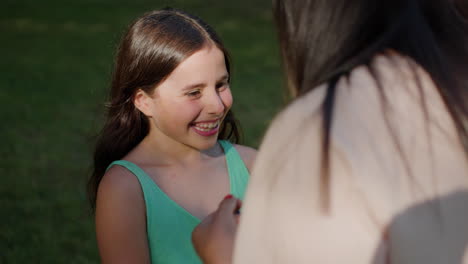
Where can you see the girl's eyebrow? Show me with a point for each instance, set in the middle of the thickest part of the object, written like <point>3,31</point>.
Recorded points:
<point>193,86</point>
<point>199,85</point>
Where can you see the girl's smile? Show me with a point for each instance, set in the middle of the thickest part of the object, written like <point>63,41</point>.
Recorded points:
<point>207,128</point>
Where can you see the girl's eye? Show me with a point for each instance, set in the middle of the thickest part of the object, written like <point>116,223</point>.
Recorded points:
<point>194,93</point>
<point>222,86</point>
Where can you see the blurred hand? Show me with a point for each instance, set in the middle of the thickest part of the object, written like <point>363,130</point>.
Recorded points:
<point>213,238</point>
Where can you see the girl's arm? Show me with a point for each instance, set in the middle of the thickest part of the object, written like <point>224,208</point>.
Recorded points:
<point>121,219</point>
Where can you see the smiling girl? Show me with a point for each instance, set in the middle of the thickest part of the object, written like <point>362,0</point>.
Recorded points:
<point>164,160</point>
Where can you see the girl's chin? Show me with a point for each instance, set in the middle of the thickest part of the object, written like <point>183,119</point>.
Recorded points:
<point>207,144</point>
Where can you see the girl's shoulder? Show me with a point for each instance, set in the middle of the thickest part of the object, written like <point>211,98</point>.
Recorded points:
<point>118,180</point>
<point>247,154</point>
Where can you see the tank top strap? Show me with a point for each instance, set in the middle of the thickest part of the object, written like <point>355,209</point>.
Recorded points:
<point>143,178</point>
<point>238,173</point>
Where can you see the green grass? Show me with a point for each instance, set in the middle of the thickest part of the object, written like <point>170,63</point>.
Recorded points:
<point>54,72</point>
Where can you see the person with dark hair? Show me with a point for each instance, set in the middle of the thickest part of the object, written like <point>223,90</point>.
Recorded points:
<point>369,164</point>
<point>164,157</point>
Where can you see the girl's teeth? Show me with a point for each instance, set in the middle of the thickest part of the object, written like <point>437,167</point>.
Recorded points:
<point>206,126</point>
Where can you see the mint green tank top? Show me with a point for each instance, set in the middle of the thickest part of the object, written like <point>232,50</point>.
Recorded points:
<point>169,226</point>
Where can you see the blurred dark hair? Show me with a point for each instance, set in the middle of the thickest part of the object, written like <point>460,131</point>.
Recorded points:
<point>322,41</point>
<point>462,7</point>
<point>154,45</point>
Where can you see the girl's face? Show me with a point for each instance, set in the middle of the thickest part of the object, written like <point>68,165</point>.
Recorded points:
<point>190,105</point>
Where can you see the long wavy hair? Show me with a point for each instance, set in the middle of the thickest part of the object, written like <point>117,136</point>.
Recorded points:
<point>322,41</point>
<point>153,46</point>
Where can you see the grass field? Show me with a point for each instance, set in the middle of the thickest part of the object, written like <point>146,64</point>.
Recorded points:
<point>54,72</point>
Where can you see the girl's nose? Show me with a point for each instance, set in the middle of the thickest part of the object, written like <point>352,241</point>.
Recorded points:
<point>215,104</point>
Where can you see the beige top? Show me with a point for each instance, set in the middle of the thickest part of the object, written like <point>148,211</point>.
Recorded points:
<point>403,202</point>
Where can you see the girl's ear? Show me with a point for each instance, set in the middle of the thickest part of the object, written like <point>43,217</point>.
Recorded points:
<point>143,102</point>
